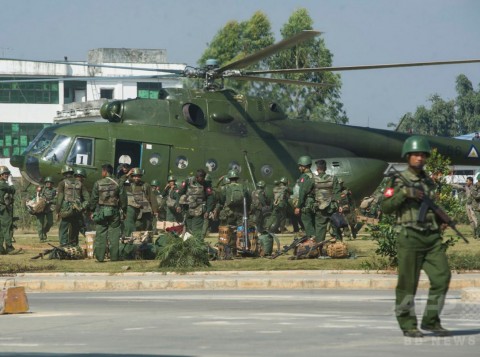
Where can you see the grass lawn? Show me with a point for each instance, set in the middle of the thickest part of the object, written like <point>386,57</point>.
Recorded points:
<point>363,248</point>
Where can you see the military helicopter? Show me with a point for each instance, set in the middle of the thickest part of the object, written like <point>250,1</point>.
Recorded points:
<point>218,129</point>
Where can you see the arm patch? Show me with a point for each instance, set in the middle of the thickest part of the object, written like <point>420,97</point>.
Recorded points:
<point>389,192</point>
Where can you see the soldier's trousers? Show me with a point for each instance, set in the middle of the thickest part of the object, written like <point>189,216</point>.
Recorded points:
<point>322,218</point>
<point>108,231</point>
<point>44,223</point>
<point>275,220</point>
<point>195,226</point>
<point>416,251</point>
<point>308,219</point>
<point>69,229</point>
<point>6,228</point>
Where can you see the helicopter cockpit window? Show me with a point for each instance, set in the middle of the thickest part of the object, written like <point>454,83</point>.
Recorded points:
<point>181,162</point>
<point>58,149</point>
<point>266,170</point>
<point>234,165</point>
<point>82,152</point>
<point>41,142</point>
<point>211,165</point>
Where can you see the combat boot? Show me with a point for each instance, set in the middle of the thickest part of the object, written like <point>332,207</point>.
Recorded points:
<point>437,330</point>
<point>414,333</point>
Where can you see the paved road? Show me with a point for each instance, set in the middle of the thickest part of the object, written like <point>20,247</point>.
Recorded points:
<point>229,323</point>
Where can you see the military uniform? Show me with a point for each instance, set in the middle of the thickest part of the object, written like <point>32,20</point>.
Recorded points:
<point>306,202</point>
<point>347,204</point>
<point>279,206</point>
<point>327,193</point>
<point>108,202</point>
<point>232,201</point>
<point>72,199</point>
<point>258,206</point>
<point>473,202</point>
<point>7,193</point>
<point>199,204</point>
<point>171,197</point>
<point>419,244</point>
<point>45,218</point>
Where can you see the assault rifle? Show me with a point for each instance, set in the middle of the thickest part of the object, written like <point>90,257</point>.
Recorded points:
<point>295,243</point>
<point>428,204</point>
<point>61,252</point>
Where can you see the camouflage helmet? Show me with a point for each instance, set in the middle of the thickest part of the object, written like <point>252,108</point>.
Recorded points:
<point>155,183</point>
<point>284,180</point>
<point>232,174</point>
<point>66,169</point>
<point>4,170</point>
<point>171,178</point>
<point>225,180</point>
<point>261,184</point>
<point>49,179</point>
<point>416,144</point>
<point>80,172</point>
<point>137,172</point>
<point>305,160</point>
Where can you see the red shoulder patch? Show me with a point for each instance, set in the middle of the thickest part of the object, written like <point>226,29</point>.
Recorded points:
<point>302,179</point>
<point>209,190</point>
<point>389,192</point>
<point>184,184</point>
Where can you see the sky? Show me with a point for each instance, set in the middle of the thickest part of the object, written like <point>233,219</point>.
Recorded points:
<point>357,32</point>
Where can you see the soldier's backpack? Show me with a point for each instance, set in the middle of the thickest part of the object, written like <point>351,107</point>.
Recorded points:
<point>309,249</point>
<point>337,250</point>
<point>234,195</point>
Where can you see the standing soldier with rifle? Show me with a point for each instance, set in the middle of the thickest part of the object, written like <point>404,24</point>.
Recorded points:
<point>419,241</point>
<point>305,206</point>
<point>109,202</point>
<point>6,212</point>
<point>258,206</point>
<point>281,194</point>
<point>45,218</point>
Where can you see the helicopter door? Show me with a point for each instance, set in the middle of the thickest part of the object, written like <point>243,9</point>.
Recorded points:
<point>156,160</point>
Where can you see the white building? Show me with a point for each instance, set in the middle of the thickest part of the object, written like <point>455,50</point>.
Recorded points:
<point>35,94</point>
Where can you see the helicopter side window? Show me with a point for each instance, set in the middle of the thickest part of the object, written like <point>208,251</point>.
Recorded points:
<point>57,151</point>
<point>266,170</point>
<point>181,162</point>
<point>81,152</point>
<point>211,165</point>
<point>234,165</point>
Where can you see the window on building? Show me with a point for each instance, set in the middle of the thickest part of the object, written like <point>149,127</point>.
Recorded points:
<point>15,137</point>
<point>29,92</point>
<point>106,93</point>
<point>148,90</point>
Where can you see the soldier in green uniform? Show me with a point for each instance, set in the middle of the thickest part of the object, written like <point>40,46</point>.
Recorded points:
<point>108,203</point>
<point>419,244</point>
<point>72,199</point>
<point>80,174</point>
<point>258,206</point>
<point>305,206</point>
<point>232,201</point>
<point>45,218</point>
<point>327,194</point>
<point>171,197</point>
<point>6,212</point>
<point>347,205</point>
<point>474,200</point>
<point>281,194</point>
<point>156,189</point>
<point>199,201</point>
<point>142,203</point>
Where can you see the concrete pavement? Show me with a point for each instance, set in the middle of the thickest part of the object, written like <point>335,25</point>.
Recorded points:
<point>469,283</point>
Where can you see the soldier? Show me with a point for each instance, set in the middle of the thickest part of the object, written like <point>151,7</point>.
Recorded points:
<point>6,212</point>
<point>108,204</point>
<point>327,193</point>
<point>470,207</point>
<point>72,200</point>
<point>171,196</point>
<point>122,172</point>
<point>305,206</point>
<point>419,244</point>
<point>232,201</point>
<point>142,203</point>
<point>279,205</point>
<point>199,201</point>
<point>347,205</point>
<point>156,189</point>
<point>80,175</point>
<point>259,206</point>
<point>45,218</point>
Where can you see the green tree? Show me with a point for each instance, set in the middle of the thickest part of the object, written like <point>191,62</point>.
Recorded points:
<point>468,105</point>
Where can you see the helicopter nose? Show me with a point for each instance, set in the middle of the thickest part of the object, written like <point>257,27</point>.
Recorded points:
<point>17,161</point>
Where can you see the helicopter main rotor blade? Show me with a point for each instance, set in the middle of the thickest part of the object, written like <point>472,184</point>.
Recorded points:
<point>69,79</point>
<point>267,51</point>
<point>361,67</point>
<point>280,80</point>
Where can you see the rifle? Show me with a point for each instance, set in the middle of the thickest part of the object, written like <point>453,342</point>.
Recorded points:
<point>427,204</point>
<point>295,243</point>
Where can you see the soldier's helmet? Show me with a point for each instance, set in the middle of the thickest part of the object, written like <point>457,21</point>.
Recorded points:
<point>416,144</point>
<point>67,169</point>
<point>155,183</point>
<point>80,172</point>
<point>226,180</point>
<point>261,184</point>
<point>284,180</point>
<point>49,179</point>
<point>171,178</point>
<point>305,160</point>
<point>4,170</point>
<point>232,174</point>
<point>137,172</point>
